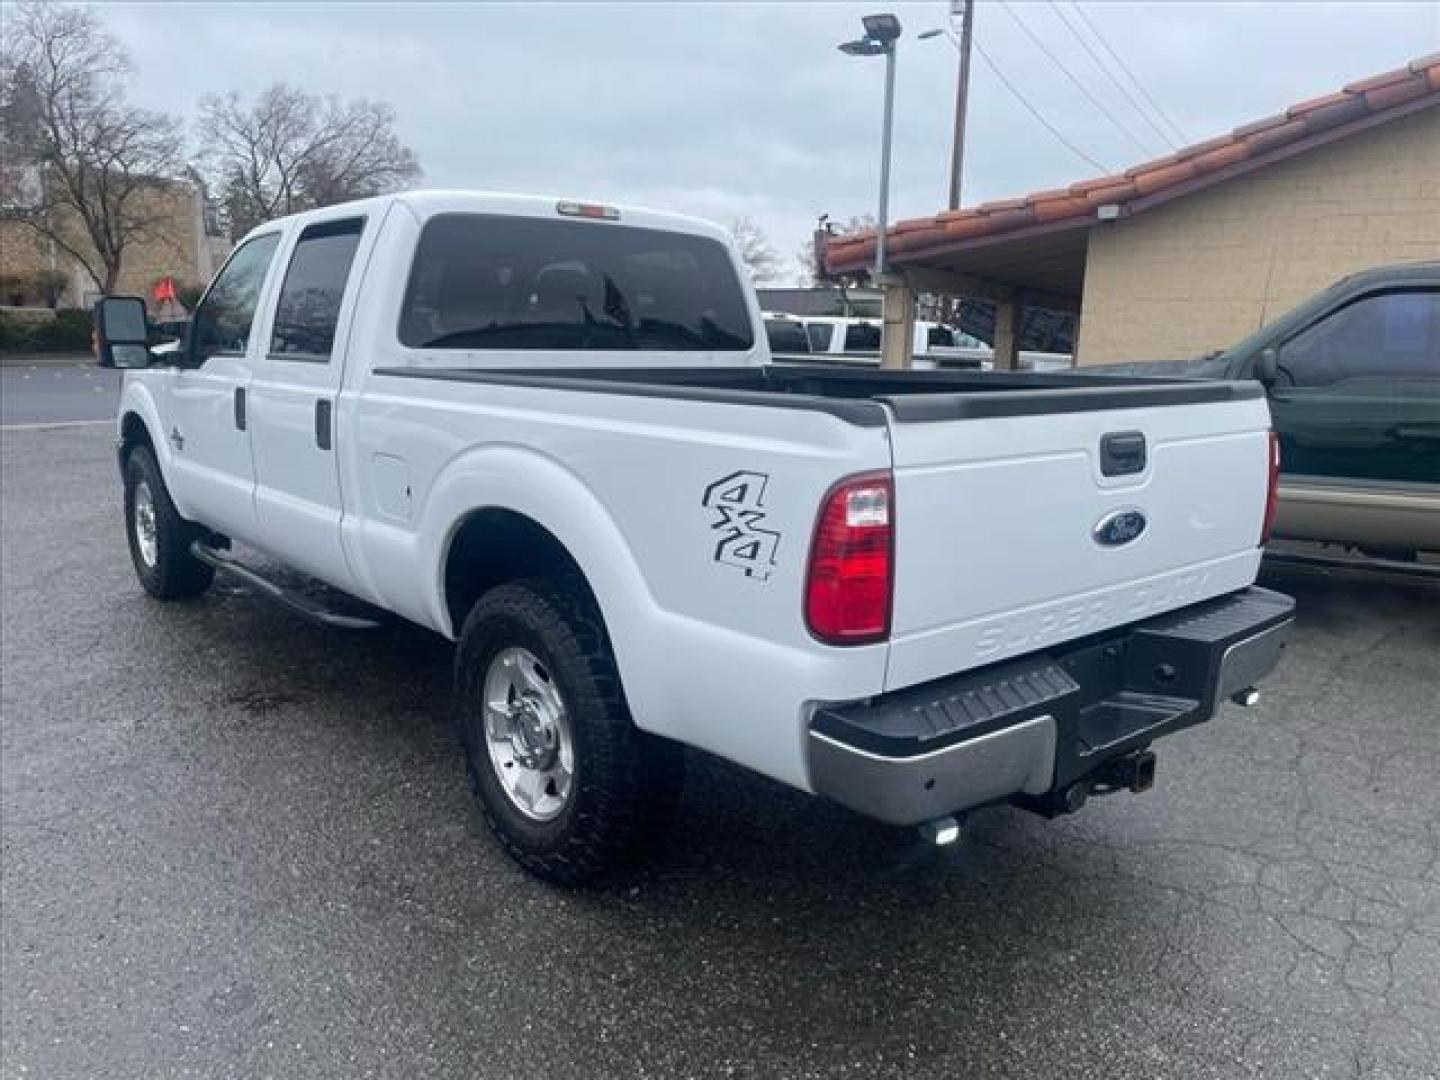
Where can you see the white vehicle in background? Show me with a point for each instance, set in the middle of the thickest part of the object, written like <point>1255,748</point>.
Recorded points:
<point>935,345</point>
<point>786,335</point>
<point>857,340</point>
<point>551,432</point>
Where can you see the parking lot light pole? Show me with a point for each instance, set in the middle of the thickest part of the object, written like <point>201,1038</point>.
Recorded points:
<point>881,33</point>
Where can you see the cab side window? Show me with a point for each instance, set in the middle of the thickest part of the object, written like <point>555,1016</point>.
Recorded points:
<point>1394,335</point>
<point>1356,394</point>
<point>222,322</point>
<point>309,306</point>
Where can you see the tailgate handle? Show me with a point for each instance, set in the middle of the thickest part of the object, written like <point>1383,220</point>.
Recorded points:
<point>1122,453</point>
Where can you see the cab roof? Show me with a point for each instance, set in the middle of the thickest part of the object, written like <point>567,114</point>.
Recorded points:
<point>426,203</point>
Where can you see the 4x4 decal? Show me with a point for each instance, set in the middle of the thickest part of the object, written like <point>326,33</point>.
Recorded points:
<point>739,501</point>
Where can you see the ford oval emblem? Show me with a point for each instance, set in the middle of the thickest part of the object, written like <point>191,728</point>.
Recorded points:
<point>1119,527</point>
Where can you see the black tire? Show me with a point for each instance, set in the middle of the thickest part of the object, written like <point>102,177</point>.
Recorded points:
<point>173,573</point>
<point>625,782</point>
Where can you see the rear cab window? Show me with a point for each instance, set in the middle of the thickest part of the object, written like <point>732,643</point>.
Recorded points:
<point>483,281</point>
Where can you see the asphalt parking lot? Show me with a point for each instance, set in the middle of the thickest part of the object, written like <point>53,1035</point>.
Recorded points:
<point>236,845</point>
<point>56,388</point>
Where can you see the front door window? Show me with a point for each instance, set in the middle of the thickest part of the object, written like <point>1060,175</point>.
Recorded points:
<point>224,320</point>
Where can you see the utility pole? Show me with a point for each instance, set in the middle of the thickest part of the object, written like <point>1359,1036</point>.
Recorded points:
<point>965,11</point>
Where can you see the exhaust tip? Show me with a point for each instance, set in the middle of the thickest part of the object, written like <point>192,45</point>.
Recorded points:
<point>941,832</point>
<point>1143,778</point>
<point>1246,698</point>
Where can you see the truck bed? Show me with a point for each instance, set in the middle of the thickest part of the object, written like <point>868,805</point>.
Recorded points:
<point>1005,484</point>
<point>868,397</point>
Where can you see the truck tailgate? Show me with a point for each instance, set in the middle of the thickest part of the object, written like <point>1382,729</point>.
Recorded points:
<point>1018,527</point>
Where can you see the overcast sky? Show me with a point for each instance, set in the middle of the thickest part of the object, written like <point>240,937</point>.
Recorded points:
<point>729,109</point>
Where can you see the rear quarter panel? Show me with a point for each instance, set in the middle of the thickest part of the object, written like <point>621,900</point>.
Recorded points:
<point>710,639</point>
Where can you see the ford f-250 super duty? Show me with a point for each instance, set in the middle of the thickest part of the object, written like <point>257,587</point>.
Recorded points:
<point>550,431</point>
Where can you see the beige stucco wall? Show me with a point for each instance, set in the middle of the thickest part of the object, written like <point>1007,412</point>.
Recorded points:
<point>1205,270</point>
<point>176,248</point>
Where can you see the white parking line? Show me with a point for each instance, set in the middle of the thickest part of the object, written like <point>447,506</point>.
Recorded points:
<point>54,424</point>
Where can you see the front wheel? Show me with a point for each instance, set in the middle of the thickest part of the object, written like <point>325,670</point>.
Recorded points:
<point>159,537</point>
<point>567,783</point>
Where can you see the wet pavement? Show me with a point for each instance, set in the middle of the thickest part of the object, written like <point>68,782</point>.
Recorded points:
<point>236,845</point>
<point>56,390</point>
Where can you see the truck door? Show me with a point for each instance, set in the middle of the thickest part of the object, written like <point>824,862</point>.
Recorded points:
<point>212,476</point>
<point>1357,394</point>
<point>292,401</point>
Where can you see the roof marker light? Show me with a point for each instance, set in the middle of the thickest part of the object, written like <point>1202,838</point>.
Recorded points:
<point>588,210</point>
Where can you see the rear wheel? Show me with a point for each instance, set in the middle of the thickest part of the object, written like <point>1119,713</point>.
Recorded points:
<point>159,537</point>
<point>567,783</point>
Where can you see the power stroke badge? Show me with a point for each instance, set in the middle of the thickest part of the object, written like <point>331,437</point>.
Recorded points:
<point>738,502</point>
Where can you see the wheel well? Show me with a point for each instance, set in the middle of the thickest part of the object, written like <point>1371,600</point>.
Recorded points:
<point>492,547</point>
<point>133,433</point>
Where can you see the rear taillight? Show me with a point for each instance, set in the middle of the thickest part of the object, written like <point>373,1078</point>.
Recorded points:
<point>848,586</point>
<point>1273,491</point>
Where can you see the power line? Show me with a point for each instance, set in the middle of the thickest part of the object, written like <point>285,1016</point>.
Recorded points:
<point>1105,70</point>
<point>1040,44</point>
<point>1126,68</point>
<point>1034,111</point>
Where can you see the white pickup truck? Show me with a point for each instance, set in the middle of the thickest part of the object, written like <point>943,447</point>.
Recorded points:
<point>549,431</point>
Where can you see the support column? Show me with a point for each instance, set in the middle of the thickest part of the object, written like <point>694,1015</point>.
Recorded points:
<point>1007,335</point>
<point>898,337</point>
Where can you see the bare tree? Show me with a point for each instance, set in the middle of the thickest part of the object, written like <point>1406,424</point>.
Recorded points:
<point>293,150</point>
<point>856,223</point>
<point>755,249</point>
<point>809,258</point>
<point>80,162</point>
<point>808,274</point>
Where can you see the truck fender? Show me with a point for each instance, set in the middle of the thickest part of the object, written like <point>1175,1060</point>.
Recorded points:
<point>137,399</point>
<point>527,482</point>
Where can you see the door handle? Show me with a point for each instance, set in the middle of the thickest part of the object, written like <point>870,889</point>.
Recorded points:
<point>322,423</point>
<point>240,408</point>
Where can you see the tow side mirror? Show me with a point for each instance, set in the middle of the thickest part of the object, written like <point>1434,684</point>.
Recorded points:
<point>1266,365</point>
<point>121,335</point>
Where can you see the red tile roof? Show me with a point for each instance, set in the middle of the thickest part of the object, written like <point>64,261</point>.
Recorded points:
<point>1361,103</point>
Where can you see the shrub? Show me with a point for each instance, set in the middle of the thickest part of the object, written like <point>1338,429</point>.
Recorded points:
<point>14,334</point>
<point>68,331</point>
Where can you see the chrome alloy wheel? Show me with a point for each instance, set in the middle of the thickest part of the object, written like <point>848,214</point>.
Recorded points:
<point>527,731</point>
<point>145,534</point>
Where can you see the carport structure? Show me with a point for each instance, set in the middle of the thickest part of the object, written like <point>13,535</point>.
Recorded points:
<point>1031,254</point>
